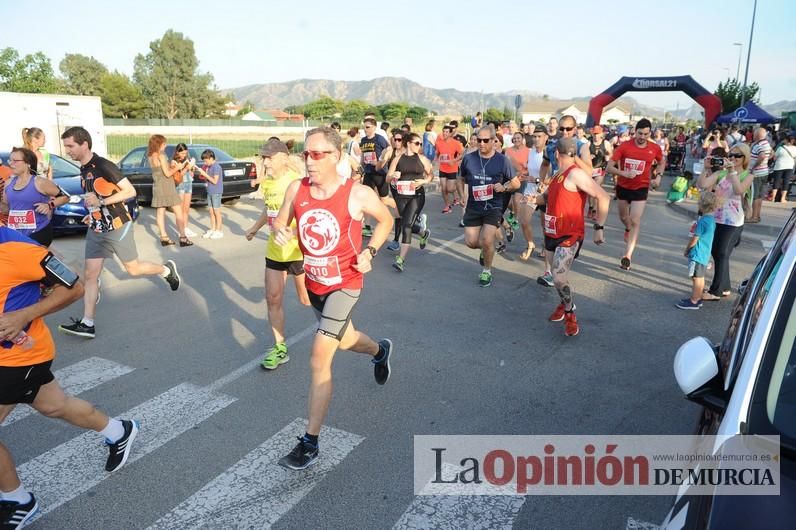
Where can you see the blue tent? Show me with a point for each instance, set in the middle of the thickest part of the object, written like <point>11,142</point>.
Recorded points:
<point>749,113</point>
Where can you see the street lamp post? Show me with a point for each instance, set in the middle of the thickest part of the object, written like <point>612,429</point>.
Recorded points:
<point>748,55</point>
<point>740,52</point>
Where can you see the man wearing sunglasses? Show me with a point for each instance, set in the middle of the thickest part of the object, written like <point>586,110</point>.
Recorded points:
<point>329,213</point>
<point>490,180</point>
<point>634,164</point>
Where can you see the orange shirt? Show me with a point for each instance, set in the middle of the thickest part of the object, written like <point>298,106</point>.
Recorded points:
<point>447,151</point>
<point>20,277</point>
<point>519,159</point>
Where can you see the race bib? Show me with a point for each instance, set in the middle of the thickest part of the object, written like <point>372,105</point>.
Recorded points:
<point>634,166</point>
<point>404,187</point>
<point>483,192</point>
<point>597,172</point>
<point>323,270</point>
<point>369,158</point>
<point>550,225</point>
<point>444,158</point>
<point>22,220</point>
<point>271,218</point>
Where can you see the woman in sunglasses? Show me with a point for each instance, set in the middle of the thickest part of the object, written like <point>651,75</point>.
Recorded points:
<point>409,172</point>
<point>387,156</point>
<point>730,185</point>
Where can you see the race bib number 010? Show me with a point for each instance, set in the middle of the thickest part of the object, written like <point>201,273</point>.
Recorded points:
<point>483,192</point>
<point>22,219</point>
<point>324,270</point>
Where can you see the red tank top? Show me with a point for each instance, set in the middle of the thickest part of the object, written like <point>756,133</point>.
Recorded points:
<point>564,216</point>
<point>330,239</point>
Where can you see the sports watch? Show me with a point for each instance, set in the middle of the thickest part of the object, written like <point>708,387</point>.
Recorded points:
<point>597,226</point>
<point>372,250</point>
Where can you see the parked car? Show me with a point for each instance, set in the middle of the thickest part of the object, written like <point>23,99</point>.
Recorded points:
<point>238,175</point>
<point>747,385</point>
<point>67,218</point>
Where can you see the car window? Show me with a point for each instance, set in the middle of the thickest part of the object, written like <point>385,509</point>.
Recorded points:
<point>781,394</point>
<point>63,168</point>
<point>134,160</point>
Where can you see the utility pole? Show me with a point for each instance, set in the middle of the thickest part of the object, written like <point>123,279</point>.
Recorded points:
<point>748,55</point>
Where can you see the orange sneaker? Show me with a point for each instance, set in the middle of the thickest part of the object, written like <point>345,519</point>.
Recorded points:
<point>571,324</point>
<point>558,314</point>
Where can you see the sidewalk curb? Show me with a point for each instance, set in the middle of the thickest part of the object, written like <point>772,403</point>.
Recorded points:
<point>754,229</point>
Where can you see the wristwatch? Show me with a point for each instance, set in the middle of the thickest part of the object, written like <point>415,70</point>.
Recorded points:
<point>101,201</point>
<point>372,250</point>
<point>597,226</point>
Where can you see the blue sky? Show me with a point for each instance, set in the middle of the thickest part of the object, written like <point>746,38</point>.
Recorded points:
<point>577,50</point>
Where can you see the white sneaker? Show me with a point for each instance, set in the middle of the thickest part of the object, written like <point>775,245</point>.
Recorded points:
<point>190,233</point>
<point>208,234</point>
<point>217,235</point>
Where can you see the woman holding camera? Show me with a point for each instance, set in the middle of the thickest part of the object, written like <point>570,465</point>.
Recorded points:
<point>164,191</point>
<point>713,141</point>
<point>731,181</point>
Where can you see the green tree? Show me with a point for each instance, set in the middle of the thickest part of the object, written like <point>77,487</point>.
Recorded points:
<point>246,108</point>
<point>354,110</point>
<point>120,97</point>
<point>32,73</point>
<point>324,107</point>
<point>393,112</point>
<point>82,74</point>
<point>730,93</point>
<point>169,79</point>
<point>492,114</point>
<point>418,113</point>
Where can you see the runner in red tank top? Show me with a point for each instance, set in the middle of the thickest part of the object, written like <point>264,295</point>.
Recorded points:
<point>564,225</point>
<point>328,212</point>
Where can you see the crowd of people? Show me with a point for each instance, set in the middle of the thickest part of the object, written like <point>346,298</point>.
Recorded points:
<point>329,214</point>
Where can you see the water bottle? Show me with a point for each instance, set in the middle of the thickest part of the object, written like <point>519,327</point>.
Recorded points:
<point>23,340</point>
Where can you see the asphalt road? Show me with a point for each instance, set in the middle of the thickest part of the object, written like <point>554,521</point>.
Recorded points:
<point>468,360</point>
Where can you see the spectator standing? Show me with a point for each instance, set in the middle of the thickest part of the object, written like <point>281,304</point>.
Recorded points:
<point>33,139</point>
<point>782,172</point>
<point>164,191</point>
<point>214,175</point>
<point>761,152</point>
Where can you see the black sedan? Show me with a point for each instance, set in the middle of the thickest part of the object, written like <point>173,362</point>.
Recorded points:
<point>238,175</point>
<point>67,218</point>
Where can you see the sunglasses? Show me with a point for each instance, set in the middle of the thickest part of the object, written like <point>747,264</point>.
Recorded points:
<point>736,155</point>
<point>316,155</point>
<point>416,143</point>
<point>484,140</point>
<point>567,129</point>
<point>397,139</point>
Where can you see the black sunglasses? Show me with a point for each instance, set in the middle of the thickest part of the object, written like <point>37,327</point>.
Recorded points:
<point>567,129</point>
<point>397,139</point>
<point>736,155</point>
<point>484,140</point>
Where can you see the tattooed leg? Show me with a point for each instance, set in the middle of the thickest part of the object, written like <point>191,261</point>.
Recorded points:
<point>562,263</point>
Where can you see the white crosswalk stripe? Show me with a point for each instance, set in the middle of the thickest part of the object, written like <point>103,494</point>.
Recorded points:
<point>256,491</point>
<point>76,466</point>
<point>452,512</point>
<point>76,379</point>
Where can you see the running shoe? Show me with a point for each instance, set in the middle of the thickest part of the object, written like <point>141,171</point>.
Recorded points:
<point>367,231</point>
<point>15,515</point>
<point>190,233</point>
<point>627,235</point>
<point>447,209</point>
<point>509,234</point>
<point>624,263</point>
<point>558,314</point>
<point>461,223</point>
<point>422,220</point>
<point>394,246</point>
<point>571,327</point>
<point>456,201</point>
<point>545,279</point>
<point>398,264</point>
<point>218,234</point>
<point>424,239</point>
<point>303,455</point>
<point>381,368</point>
<point>500,248</point>
<point>78,329</point>
<point>208,234</point>
<point>485,279</point>
<point>512,220</point>
<point>686,303</point>
<point>119,451</point>
<point>275,356</point>
<point>173,279</point>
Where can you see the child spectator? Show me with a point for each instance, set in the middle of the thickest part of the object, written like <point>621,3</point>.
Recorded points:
<point>698,251</point>
<point>214,175</point>
<point>679,187</point>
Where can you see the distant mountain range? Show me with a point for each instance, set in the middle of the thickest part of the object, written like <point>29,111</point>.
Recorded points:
<point>445,101</point>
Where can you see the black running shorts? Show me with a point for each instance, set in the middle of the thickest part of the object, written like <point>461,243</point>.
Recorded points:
<point>21,384</point>
<point>296,268</point>
<point>334,311</point>
<point>483,217</point>
<point>624,194</point>
<point>378,183</point>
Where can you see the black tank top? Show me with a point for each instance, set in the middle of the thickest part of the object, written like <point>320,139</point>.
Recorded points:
<point>410,167</point>
<point>599,152</point>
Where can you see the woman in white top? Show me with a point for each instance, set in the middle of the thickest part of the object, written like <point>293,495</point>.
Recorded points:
<point>782,173</point>
<point>730,185</point>
<point>535,158</point>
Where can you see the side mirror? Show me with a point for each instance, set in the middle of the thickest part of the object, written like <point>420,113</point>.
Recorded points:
<point>696,369</point>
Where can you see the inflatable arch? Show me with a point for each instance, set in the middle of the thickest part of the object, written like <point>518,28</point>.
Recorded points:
<point>684,83</point>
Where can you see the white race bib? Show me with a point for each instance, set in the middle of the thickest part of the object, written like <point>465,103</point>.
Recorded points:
<point>22,219</point>
<point>597,172</point>
<point>404,187</point>
<point>271,218</point>
<point>444,158</point>
<point>550,225</point>
<point>323,270</point>
<point>369,158</point>
<point>483,192</point>
<point>634,166</point>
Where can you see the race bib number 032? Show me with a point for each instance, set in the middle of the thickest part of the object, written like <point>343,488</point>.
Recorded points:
<point>323,270</point>
<point>22,219</point>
